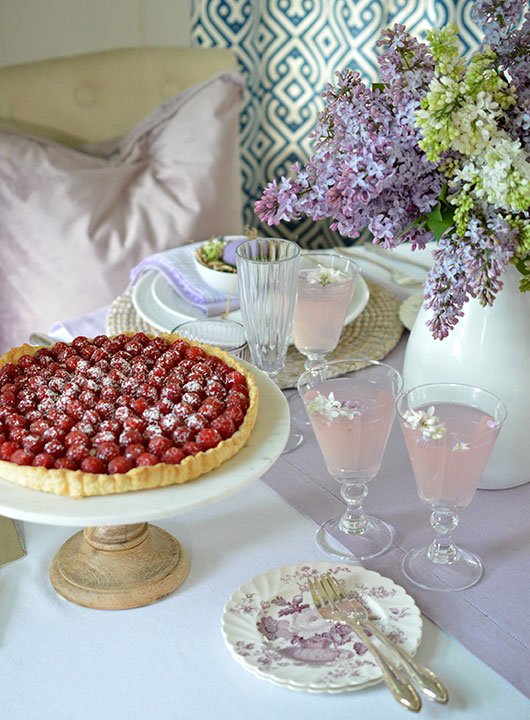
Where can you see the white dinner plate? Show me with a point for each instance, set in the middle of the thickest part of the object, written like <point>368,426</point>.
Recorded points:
<point>271,627</point>
<point>158,304</point>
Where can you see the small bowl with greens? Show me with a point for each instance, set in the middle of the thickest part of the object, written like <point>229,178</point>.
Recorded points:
<point>216,262</point>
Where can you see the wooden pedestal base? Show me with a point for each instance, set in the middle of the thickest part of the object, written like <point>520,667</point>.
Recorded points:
<point>119,566</point>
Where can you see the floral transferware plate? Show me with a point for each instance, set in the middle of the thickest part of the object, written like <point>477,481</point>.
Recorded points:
<point>271,627</point>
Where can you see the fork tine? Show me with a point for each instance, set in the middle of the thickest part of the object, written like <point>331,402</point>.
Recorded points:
<point>314,594</point>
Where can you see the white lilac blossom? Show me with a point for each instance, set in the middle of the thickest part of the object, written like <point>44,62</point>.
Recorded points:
<point>323,276</point>
<point>331,409</point>
<point>439,150</point>
<point>425,420</point>
<point>460,447</point>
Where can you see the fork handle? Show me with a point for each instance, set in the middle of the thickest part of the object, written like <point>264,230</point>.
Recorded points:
<point>426,680</point>
<point>400,688</point>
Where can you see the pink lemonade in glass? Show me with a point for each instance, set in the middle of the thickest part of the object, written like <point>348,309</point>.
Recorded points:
<point>353,442</point>
<point>449,431</point>
<point>326,283</point>
<point>351,406</point>
<point>447,469</point>
<point>320,312</point>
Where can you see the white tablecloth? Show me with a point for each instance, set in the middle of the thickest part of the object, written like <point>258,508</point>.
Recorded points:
<point>168,661</point>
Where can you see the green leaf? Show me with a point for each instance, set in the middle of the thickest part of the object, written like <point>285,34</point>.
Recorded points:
<point>378,86</point>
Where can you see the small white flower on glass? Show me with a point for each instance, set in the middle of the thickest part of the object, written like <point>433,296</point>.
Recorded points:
<point>331,408</point>
<point>323,275</point>
<point>460,447</point>
<point>430,425</point>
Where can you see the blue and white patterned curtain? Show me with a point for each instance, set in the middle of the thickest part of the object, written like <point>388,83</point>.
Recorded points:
<point>288,50</point>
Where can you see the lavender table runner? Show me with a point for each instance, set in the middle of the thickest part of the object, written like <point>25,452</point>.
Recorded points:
<point>491,619</point>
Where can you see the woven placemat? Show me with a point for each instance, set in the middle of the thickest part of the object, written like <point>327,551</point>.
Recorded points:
<point>372,335</point>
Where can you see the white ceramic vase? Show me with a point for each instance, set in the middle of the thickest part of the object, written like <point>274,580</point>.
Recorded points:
<point>489,348</point>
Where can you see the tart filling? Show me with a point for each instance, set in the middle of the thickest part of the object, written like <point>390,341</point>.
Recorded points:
<point>121,413</point>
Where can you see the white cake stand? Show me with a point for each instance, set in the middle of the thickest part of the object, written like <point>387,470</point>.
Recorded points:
<point>121,561</point>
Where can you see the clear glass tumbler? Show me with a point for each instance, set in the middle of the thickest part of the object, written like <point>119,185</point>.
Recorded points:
<point>268,276</point>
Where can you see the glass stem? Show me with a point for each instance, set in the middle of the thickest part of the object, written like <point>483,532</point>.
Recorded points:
<point>354,521</point>
<point>442,549</point>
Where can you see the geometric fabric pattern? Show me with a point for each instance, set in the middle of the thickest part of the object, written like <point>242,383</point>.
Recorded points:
<point>288,50</point>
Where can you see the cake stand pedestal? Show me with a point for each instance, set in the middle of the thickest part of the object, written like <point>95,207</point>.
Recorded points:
<point>120,560</point>
<point>119,566</point>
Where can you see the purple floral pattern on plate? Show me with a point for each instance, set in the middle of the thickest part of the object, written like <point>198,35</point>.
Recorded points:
<point>271,627</point>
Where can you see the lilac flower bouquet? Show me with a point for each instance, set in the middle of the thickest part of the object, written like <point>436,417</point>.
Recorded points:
<point>440,149</point>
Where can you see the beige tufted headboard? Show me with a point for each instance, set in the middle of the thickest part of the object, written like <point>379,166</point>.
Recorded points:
<point>99,96</point>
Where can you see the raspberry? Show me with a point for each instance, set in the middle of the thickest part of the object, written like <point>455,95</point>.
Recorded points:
<point>148,391</point>
<point>139,405</point>
<point>224,426</point>
<point>107,450</point>
<point>105,409</point>
<point>38,427</point>
<point>191,448</point>
<point>64,423</point>
<point>165,406</point>
<point>26,361</point>
<point>33,444</point>
<point>237,399</point>
<point>133,347</point>
<point>74,408</point>
<point>134,451</point>
<point>16,420</point>
<point>235,414</point>
<point>146,459</point>
<point>173,456</point>
<point>80,341</point>
<point>168,423</point>
<point>120,464</point>
<point>66,463</point>
<point>44,459</point>
<point>135,423</point>
<point>152,430</point>
<point>7,449</point>
<point>194,399</point>
<point>76,437</point>
<point>158,445</point>
<point>211,408</point>
<point>182,435</point>
<point>87,351</point>
<point>55,448</point>
<point>72,362</point>
<point>77,452</point>
<point>235,378</point>
<point>88,398</point>
<point>197,422</point>
<point>18,435</point>
<point>195,353</point>
<point>208,438</point>
<point>171,392</point>
<point>92,464</point>
<point>182,410</point>
<point>111,426</point>
<point>21,457</point>
<point>109,394</point>
<point>215,389</point>
<point>130,437</point>
<point>99,340</point>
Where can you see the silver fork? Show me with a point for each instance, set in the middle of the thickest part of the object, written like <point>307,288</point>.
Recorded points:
<point>424,678</point>
<point>398,277</point>
<point>327,607</point>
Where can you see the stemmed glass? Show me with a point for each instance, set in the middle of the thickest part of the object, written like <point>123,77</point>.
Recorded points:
<point>449,430</point>
<point>267,271</point>
<point>351,406</point>
<point>326,282</point>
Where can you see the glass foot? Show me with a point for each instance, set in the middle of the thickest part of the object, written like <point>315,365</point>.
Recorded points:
<point>374,541</point>
<point>464,572</point>
<point>294,441</point>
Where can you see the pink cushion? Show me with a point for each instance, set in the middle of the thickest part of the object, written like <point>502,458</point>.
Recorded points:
<point>73,223</point>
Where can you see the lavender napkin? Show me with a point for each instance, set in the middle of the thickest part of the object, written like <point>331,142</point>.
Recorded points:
<point>178,266</point>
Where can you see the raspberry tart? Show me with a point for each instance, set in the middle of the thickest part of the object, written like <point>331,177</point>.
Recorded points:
<point>115,414</point>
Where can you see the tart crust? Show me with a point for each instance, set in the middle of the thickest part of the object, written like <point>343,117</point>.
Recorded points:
<point>78,484</point>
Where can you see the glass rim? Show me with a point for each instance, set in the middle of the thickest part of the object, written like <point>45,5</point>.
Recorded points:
<point>245,243</point>
<point>215,321</point>
<point>492,395</point>
<point>342,258</point>
<point>366,362</point>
